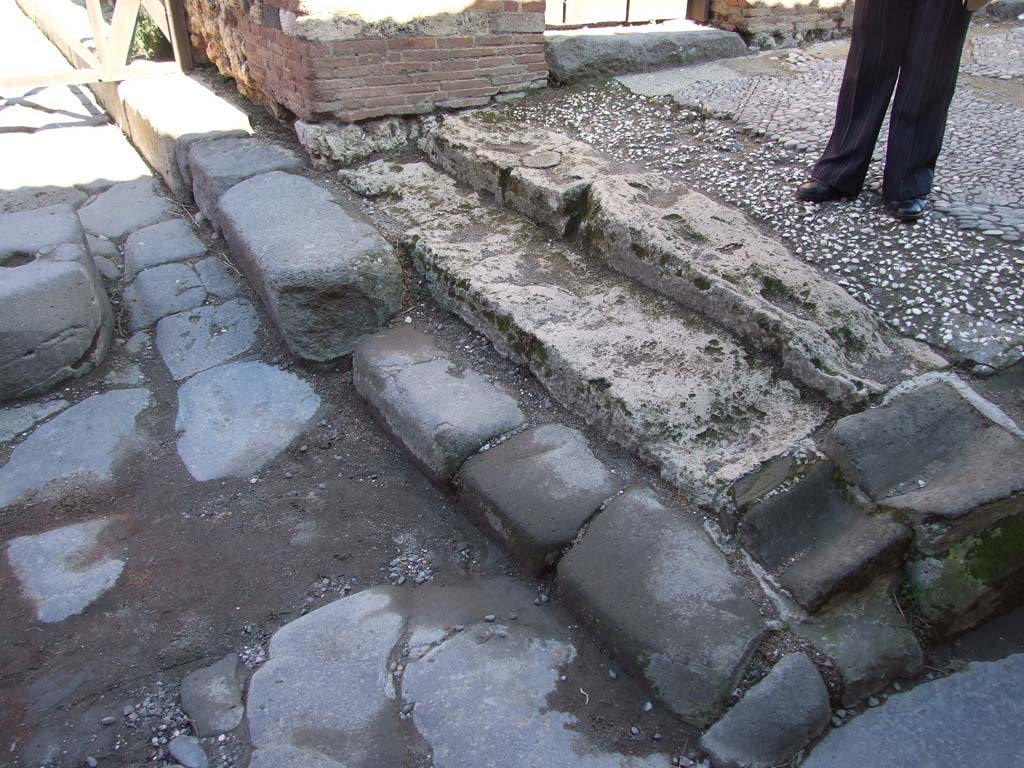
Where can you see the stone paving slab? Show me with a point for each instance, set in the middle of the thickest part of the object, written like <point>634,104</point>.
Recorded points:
<point>969,718</point>
<point>236,418</point>
<point>533,492</point>
<point>212,696</point>
<point>159,244</point>
<point>326,277</point>
<point>217,279</point>
<point>78,449</point>
<point>161,291</point>
<point>64,570</point>
<point>657,590</point>
<point>125,208</point>
<point>603,346</point>
<point>440,415</point>
<point>16,419</point>
<point>192,341</point>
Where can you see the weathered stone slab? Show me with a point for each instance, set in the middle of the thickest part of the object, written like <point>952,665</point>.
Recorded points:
<point>212,696</point>
<point>18,418</point>
<point>193,341</point>
<point>188,752</point>
<point>55,317</point>
<point>819,537</point>
<point>868,640</point>
<point>217,279</point>
<point>657,590</point>
<point>163,116</point>
<point>539,173</point>
<point>969,718</point>
<point>937,453</point>
<point>533,492</point>
<point>64,570</point>
<point>326,277</point>
<point>159,244</point>
<point>125,208</point>
<point>605,347</point>
<point>597,54</point>
<point>440,415</point>
<point>219,164</point>
<point>77,449</point>
<point>236,418</point>
<point>774,720</point>
<point>162,291</point>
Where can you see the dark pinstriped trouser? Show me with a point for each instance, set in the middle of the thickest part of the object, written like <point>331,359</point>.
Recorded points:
<point>914,46</point>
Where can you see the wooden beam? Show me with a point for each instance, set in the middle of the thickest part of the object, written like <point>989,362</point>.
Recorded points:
<point>126,12</point>
<point>98,25</point>
<point>133,71</point>
<point>158,12</point>
<point>180,39</point>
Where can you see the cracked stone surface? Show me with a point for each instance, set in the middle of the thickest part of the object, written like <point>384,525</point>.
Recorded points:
<point>80,448</point>
<point>162,291</point>
<point>201,338</point>
<point>235,418</point>
<point>18,418</point>
<point>64,570</point>
<point>125,208</point>
<point>161,243</point>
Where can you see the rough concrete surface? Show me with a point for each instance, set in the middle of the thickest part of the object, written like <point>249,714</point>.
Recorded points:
<point>326,277</point>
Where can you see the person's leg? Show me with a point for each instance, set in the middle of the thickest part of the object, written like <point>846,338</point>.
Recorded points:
<point>928,75</point>
<point>879,37</point>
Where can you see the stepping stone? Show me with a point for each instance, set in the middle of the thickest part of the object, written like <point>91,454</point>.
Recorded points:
<point>125,208</point>
<point>64,570</point>
<point>326,277</point>
<point>162,291</point>
<point>328,673</point>
<point>533,492</point>
<point>55,318</point>
<point>969,718</point>
<point>212,696</point>
<point>160,244</point>
<point>17,419</point>
<point>819,539</point>
<point>77,450</point>
<point>937,453</point>
<point>774,720</point>
<point>236,418</point>
<point>657,590</point>
<point>604,346</point>
<point>440,415</point>
<point>217,279</point>
<point>218,164</point>
<point>188,752</point>
<point>869,641</point>
<point>201,338</point>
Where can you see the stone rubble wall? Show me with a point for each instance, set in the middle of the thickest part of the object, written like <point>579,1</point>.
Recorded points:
<point>784,21</point>
<point>337,60</point>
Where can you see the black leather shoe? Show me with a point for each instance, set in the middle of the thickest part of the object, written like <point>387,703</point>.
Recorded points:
<point>814,191</point>
<point>909,210</point>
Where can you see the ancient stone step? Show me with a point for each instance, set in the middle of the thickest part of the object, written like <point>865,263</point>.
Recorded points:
<point>819,537</point>
<point>680,243</point>
<point>658,591</point>
<point>652,376</point>
<point>326,277</point>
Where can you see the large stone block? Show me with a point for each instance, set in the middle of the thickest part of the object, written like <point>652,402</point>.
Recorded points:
<point>533,492</point>
<point>441,416</point>
<point>658,591</point>
<point>326,277</point>
<point>55,317</point>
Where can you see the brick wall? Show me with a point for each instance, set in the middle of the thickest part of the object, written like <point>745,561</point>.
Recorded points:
<point>784,20</point>
<point>343,66</point>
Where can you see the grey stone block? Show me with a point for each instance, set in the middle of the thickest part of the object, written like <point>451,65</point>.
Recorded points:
<point>868,640</point>
<point>326,277</point>
<point>17,419</point>
<point>774,720</point>
<point>219,164</point>
<point>533,492</point>
<point>217,279</point>
<point>440,415</point>
<point>212,696</point>
<point>162,243</point>
<point>660,594</point>
<point>161,291</point>
<point>236,418</point>
<point>820,539</point>
<point>938,454</point>
<point>579,56</point>
<point>77,449</point>
<point>55,317</point>
<point>125,208</point>
<point>188,752</point>
<point>968,718</point>
<point>190,342</point>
